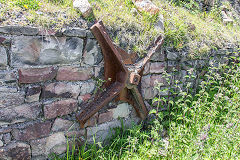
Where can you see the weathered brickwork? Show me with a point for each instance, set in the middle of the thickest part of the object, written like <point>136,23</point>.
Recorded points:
<point>46,75</point>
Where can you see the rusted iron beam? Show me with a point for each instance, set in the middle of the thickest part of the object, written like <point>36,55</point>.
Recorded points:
<point>122,76</point>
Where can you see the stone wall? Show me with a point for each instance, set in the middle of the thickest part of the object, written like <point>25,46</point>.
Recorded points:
<point>46,75</point>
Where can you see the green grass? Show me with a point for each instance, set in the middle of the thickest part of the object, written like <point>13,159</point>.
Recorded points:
<point>186,28</point>
<point>49,14</point>
<point>201,126</point>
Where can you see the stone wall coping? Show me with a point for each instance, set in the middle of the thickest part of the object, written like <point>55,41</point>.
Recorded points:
<point>38,31</point>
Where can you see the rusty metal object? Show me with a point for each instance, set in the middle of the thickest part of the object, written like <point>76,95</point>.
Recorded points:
<point>122,77</point>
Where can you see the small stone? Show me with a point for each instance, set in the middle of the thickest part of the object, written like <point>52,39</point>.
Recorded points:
<point>61,90</point>
<point>148,93</point>
<point>7,138</point>
<point>33,75</point>
<point>74,74</point>
<point>19,30</point>
<point>56,143</point>
<point>105,117</point>
<point>87,88</point>
<point>90,35</point>
<point>92,54</point>
<point>16,151</point>
<point>1,143</point>
<point>158,56</point>
<point>146,6</point>
<point>155,79</point>
<point>84,98</point>
<point>38,147</point>
<point>60,108</point>
<point>157,67</point>
<point>33,131</point>
<point>11,98</point>
<point>84,7</point>
<point>32,94</point>
<point>7,77</point>
<point>30,111</point>
<point>75,32</point>
<point>122,110</point>
<point>3,55</point>
<point>75,134</point>
<point>61,125</point>
<point>172,56</point>
<point>101,132</point>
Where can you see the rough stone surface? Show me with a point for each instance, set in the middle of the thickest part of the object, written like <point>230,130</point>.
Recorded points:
<point>158,56</point>
<point>151,80</point>
<point>84,98</point>
<point>19,30</point>
<point>33,94</point>
<point>61,90</point>
<point>33,75</point>
<point>84,7</point>
<point>75,32</point>
<point>11,98</point>
<point>61,125</point>
<point>3,55</point>
<point>92,54</point>
<point>157,67</point>
<point>33,131</point>
<point>56,143</point>
<point>60,108</point>
<point>122,110</point>
<point>172,56</point>
<point>74,74</point>
<point>102,131</point>
<point>105,117</point>
<point>38,146</point>
<point>87,88</point>
<point>29,111</point>
<point>7,76</point>
<point>16,151</point>
<point>46,50</point>
<point>7,138</point>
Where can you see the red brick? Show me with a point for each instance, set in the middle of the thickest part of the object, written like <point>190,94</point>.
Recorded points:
<point>105,117</point>
<point>34,131</point>
<point>60,108</point>
<point>33,75</point>
<point>74,74</point>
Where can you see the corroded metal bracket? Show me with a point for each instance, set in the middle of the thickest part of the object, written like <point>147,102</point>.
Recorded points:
<point>122,77</point>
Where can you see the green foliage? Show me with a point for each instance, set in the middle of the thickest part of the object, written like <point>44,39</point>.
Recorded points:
<point>28,4</point>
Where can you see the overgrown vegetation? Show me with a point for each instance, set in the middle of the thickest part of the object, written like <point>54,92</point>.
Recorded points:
<point>201,126</point>
<point>187,27</point>
<point>49,14</point>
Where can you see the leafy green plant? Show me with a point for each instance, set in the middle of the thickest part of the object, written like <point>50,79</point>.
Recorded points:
<point>28,4</point>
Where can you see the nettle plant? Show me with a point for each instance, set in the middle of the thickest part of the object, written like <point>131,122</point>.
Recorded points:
<point>205,124</point>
